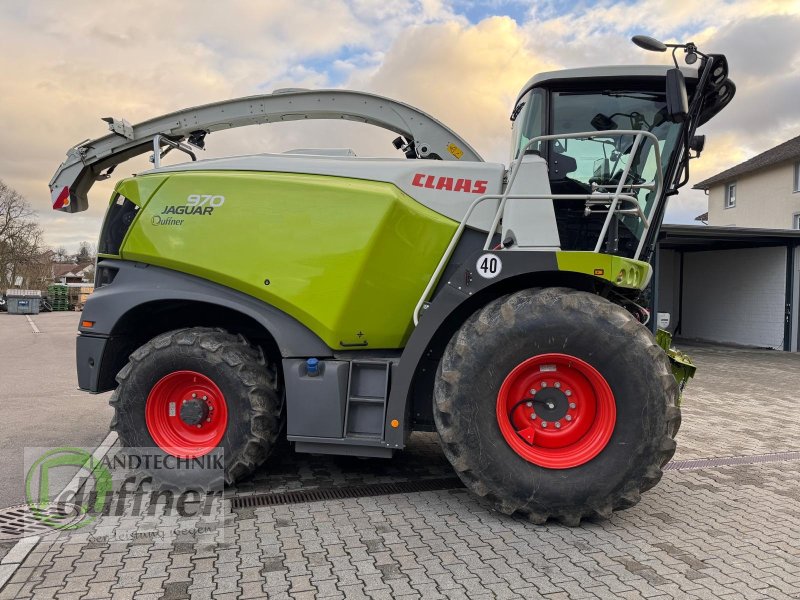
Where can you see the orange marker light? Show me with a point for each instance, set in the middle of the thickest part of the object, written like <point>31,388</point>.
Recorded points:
<point>599,272</point>
<point>395,423</point>
<point>87,324</point>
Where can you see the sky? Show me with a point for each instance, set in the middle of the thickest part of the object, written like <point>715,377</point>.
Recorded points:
<point>67,65</point>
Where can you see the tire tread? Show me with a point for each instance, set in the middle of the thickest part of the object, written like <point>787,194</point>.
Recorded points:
<point>459,356</point>
<point>247,362</point>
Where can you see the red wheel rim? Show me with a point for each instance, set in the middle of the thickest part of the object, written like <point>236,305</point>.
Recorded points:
<point>176,432</point>
<point>572,394</point>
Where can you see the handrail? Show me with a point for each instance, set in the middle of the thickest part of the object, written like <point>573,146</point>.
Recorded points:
<point>615,201</point>
<point>591,198</point>
<point>594,198</point>
<point>448,252</point>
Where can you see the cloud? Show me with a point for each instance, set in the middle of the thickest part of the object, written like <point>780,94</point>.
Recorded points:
<point>759,38</point>
<point>762,46</point>
<point>138,60</point>
<point>467,75</point>
<point>74,66</point>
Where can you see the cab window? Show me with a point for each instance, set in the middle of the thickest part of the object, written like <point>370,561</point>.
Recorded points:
<point>529,122</point>
<point>602,160</point>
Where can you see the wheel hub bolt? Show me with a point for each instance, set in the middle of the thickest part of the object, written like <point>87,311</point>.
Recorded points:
<point>544,423</point>
<point>205,397</point>
<point>194,395</point>
<point>529,404</point>
<point>572,405</point>
<point>533,392</point>
<point>568,393</point>
<point>544,384</point>
<point>194,412</point>
<point>558,424</point>
<point>533,415</point>
<point>558,384</point>
<point>568,418</point>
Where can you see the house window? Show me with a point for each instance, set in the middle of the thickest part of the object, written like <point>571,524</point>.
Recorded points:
<point>796,221</point>
<point>797,177</point>
<point>730,195</point>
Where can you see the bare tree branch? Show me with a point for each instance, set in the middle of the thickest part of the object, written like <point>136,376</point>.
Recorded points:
<point>21,246</point>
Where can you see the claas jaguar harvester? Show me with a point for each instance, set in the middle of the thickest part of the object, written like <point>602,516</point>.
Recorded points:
<point>346,302</point>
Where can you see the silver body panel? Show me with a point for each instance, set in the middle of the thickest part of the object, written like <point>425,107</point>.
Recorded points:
<point>447,187</point>
<point>87,160</point>
<point>531,223</point>
<point>593,73</point>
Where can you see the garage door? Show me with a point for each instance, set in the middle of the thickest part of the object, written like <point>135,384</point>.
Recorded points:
<point>735,296</point>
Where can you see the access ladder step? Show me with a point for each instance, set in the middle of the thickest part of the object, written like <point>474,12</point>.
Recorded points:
<point>367,392</point>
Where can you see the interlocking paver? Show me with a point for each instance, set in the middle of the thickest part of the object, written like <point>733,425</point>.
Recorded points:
<point>726,532</point>
<point>11,590</point>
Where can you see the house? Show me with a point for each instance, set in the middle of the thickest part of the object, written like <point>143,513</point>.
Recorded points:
<point>72,272</point>
<point>763,192</point>
<point>736,279</point>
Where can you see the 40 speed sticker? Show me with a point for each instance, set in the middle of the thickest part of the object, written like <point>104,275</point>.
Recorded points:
<point>489,266</point>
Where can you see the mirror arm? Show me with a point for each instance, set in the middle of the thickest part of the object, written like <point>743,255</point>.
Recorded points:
<point>707,63</point>
<point>685,164</point>
<point>688,48</point>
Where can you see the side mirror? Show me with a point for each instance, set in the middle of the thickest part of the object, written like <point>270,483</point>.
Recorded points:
<point>697,143</point>
<point>648,43</point>
<point>603,123</point>
<point>677,103</point>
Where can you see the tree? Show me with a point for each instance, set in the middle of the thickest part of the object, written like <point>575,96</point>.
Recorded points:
<point>60,255</point>
<point>20,241</point>
<point>85,257</point>
<point>86,253</point>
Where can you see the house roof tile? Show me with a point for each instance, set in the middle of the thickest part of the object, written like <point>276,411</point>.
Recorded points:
<point>786,151</point>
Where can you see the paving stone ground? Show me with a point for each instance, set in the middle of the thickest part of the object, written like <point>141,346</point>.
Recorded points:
<point>725,532</point>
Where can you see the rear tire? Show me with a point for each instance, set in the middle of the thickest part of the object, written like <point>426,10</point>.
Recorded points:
<point>534,329</point>
<point>240,381</point>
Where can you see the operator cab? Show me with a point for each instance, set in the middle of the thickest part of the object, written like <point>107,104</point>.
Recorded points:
<point>603,99</point>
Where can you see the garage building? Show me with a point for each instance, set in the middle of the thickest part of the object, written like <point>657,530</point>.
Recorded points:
<point>730,285</point>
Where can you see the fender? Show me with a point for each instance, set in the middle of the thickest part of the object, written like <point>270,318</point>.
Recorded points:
<point>136,284</point>
<point>460,296</point>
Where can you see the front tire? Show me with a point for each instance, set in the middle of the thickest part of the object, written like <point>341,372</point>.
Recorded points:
<point>187,392</point>
<point>556,403</point>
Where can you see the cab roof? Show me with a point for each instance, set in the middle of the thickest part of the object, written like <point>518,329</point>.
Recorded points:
<point>603,72</point>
